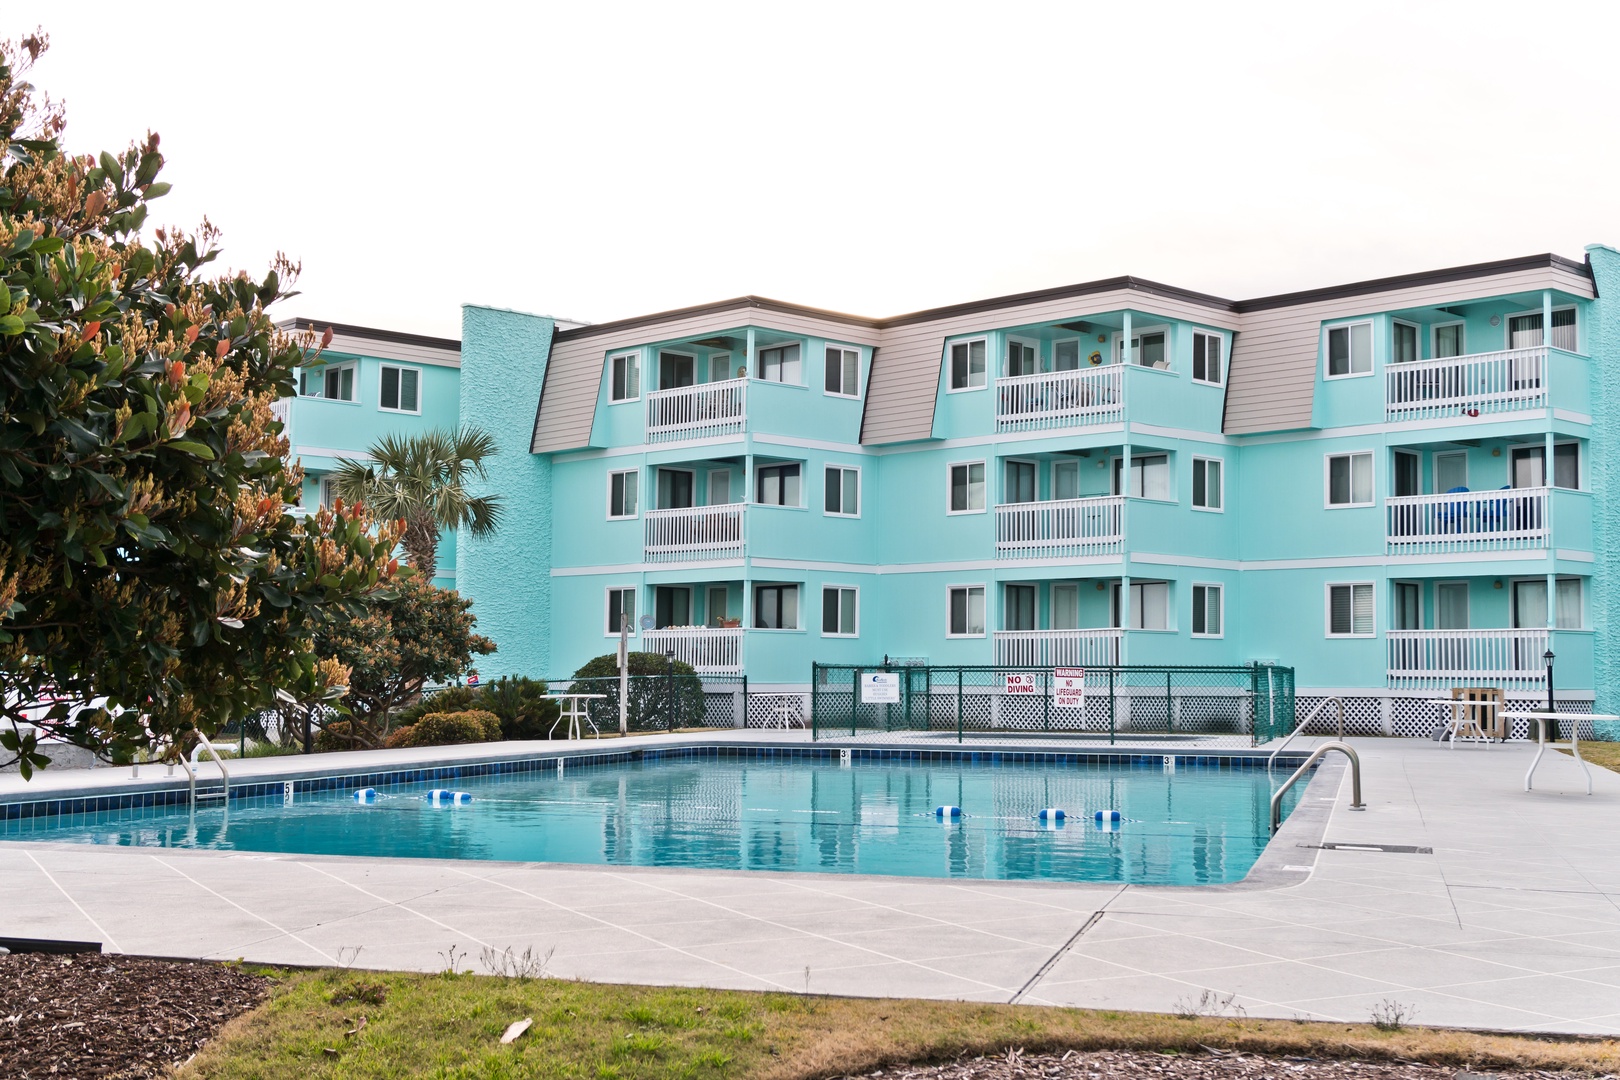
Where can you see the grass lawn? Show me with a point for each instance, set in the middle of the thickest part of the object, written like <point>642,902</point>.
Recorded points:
<point>449,1026</point>
<point>1606,754</point>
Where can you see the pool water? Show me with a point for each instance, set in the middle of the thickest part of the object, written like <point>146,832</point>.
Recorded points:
<point>1191,826</point>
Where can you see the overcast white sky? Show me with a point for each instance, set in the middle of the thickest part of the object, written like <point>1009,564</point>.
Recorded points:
<point>594,160</point>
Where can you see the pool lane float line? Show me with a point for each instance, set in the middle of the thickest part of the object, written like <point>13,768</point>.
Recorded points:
<point>1051,813</point>
<point>947,812</point>
<point>366,795</point>
<point>443,797</point>
<point>1108,815</point>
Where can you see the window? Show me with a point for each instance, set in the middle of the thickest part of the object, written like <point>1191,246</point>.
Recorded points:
<point>776,607</point>
<point>676,370</point>
<point>966,611</point>
<point>674,489</point>
<point>720,367</point>
<point>1350,610</point>
<point>778,485</point>
<point>1349,350</point>
<point>1022,359</point>
<point>1065,479</point>
<point>1530,605</point>
<point>1066,355</point>
<point>1524,331</point>
<point>1208,485</point>
<point>720,487</point>
<point>1408,606</point>
<point>1450,471</point>
<point>1206,610</point>
<point>1529,466</point>
<point>1150,605</point>
<point>621,604</point>
<point>1020,482</point>
<point>399,389</point>
<point>1018,607</point>
<point>1149,479</point>
<point>328,491</point>
<point>1408,473</point>
<point>672,606</point>
<point>1148,349</point>
<point>843,371</point>
<point>1350,479</point>
<point>1448,340</point>
<point>843,491</point>
<point>838,612</point>
<point>1065,607</point>
<point>967,365</point>
<point>1451,606</point>
<point>1405,343</point>
<point>967,488</point>
<point>626,377</point>
<point>335,382</point>
<point>719,603</point>
<point>622,490</point>
<point>780,363</point>
<point>1207,358</point>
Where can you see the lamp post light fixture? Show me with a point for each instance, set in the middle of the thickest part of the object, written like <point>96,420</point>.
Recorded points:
<point>1552,725</point>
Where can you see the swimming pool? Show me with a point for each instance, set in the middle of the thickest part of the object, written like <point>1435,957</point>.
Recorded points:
<point>1190,824</point>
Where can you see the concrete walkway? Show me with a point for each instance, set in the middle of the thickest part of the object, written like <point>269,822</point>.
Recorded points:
<point>1512,922</point>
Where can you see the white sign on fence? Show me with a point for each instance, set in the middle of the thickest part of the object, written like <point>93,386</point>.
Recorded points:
<point>1021,683</point>
<point>880,687</point>
<point>1069,688</point>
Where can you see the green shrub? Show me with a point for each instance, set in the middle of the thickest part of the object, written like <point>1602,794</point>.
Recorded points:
<point>524,709</point>
<point>449,700</point>
<point>663,694</point>
<point>450,729</point>
<point>335,736</point>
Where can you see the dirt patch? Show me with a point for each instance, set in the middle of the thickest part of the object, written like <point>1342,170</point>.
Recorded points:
<point>112,1017</point>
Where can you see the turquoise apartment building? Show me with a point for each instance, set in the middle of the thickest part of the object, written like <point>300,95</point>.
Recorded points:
<point>366,384</point>
<point>1393,486</point>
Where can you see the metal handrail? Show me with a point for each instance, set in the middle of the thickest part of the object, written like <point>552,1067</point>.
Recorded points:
<point>191,770</point>
<point>1355,780</point>
<point>1320,705</point>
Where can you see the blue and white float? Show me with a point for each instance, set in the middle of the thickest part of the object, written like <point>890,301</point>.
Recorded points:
<point>947,811</point>
<point>365,795</point>
<point>1108,815</point>
<point>1051,814</point>
<point>444,797</point>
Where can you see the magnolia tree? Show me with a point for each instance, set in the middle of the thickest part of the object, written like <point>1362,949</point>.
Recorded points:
<point>152,583</point>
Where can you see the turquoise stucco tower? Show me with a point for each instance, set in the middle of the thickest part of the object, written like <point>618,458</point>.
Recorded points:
<point>1604,337</point>
<point>509,574</point>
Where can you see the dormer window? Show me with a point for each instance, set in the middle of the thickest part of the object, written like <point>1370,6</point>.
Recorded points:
<point>967,365</point>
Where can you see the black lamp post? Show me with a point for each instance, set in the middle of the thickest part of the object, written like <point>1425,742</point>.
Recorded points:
<point>1552,725</point>
<point>669,657</point>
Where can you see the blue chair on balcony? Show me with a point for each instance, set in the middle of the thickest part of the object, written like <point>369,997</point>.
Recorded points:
<point>1453,517</point>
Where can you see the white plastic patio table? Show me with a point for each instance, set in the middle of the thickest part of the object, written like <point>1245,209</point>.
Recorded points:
<point>1573,745</point>
<point>1453,721</point>
<point>572,712</point>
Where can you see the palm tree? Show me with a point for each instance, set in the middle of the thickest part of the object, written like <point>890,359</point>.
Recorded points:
<point>424,480</point>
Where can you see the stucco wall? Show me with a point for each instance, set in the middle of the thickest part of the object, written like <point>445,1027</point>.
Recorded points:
<point>1603,345</point>
<point>508,575</point>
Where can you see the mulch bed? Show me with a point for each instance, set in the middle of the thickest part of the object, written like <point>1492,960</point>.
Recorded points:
<point>112,1017</point>
<point>1210,1065</point>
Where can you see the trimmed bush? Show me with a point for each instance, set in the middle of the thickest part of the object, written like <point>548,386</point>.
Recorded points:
<point>449,729</point>
<point>521,704</point>
<point>663,695</point>
<point>451,699</point>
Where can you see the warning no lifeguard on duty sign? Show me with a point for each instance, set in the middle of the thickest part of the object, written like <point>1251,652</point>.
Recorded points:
<point>1068,686</point>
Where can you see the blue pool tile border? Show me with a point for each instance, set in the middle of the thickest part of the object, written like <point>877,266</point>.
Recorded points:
<point>176,795</point>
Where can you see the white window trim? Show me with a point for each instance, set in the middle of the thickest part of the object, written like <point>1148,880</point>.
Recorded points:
<point>1051,603</point>
<point>753,612</point>
<point>1394,608</point>
<point>860,491</point>
<point>1327,480</point>
<point>985,592</point>
<point>659,355</point>
<point>1434,337</point>
<point>709,487</point>
<point>1020,339</point>
<point>1468,602</point>
<point>355,364</point>
<point>804,484</point>
<point>1079,352</point>
<point>1434,470</point>
<point>607,598</point>
<point>1395,453</point>
<point>1546,331</point>
<point>1192,591</point>
<point>1124,473</point>
<point>1552,602</point>
<point>951,468</point>
<point>611,516</point>
<point>1417,339</point>
<point>1136,332</point>
<point>1208,382</point>
<point>1191,487</point>
<point>1582,462</point>
<point>634,357</point>
<point>325,490</point>
<point>856,589</point>
<point>989,359</point>
<point>1372,361</point>
<point>859,357</point>
<point>1327,609</point>
<point>400,368</point>
<point>756,375</point>
<point>657,469</point>
<point>1052,475</point>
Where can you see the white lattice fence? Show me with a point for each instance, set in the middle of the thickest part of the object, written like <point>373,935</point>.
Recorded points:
<point>783,710</point>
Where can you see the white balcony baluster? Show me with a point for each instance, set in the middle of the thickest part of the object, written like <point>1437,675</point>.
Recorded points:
<point>716,650</point>
<point>1421,659</point>
<point>1059,527</point>
<point>1060,399</point>
<point>1057,648</point>
<point>697,412</point>
<point>695,532</point>
<point>1494,382</point>
<point>1469,521</point>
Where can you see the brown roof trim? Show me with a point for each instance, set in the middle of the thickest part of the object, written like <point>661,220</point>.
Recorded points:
<point>1426,277</point>
<point>349,329</point>
<point>740,304</point>
<point>1062,292</point>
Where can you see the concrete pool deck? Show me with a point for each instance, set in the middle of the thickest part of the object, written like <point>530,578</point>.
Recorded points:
<point>1512,922</point>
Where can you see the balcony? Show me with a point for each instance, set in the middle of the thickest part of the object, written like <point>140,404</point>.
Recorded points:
<point>1058,648</point>
<point>706,649</point>
<point>1496,382</point>
<point>692,533</point>
<point>1058,399</point>
<point>1059,528</point>
<point>697,412</point>
<point>1501,520</point>
<point>1432,659</point>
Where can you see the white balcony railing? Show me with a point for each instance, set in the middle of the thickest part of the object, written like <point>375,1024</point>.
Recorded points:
<point>1493,382</point>
<point>1438,658</point>
<point>695,532</point>
<point>1059,528</point>
<point>1469,521</point>
<point>1053,399</point>
<point>1057,648</point>
<point>716,650</point>
<point>697,412</point>
<point>280,409</point>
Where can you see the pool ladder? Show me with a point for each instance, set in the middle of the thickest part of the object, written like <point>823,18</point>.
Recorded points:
<point>1320,705</point>
<point>191,772</point>
<point>1316,755</point>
